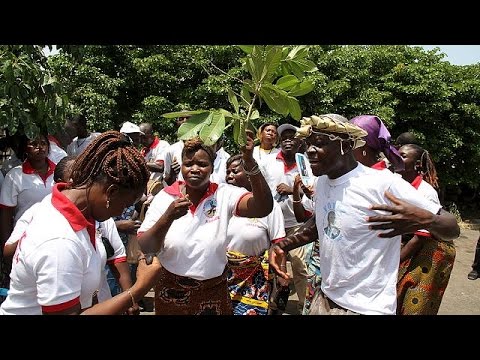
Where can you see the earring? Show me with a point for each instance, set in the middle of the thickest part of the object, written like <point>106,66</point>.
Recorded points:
<point>364,153</point>
<point>108,203</point>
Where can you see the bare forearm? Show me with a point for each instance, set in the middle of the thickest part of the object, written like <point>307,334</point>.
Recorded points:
<point>121,271</point>
<point>307,233</point>
<point>444,226</point>
<point>118,304</point>
<point>154,167</point>
<point>261,204</point>
<point>151,241</point>
<point>410,248</point>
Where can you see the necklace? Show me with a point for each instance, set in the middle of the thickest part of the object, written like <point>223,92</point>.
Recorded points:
<point>261,150</point>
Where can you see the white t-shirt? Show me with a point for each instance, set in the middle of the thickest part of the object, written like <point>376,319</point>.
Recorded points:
<point>155,154</point>
<point>54,267</point>
<point>78,145</point>
<point>252,236</point>
<point>174,151</point>
<point>22,187</point>
<point>220,167</point>
<point>275,173</point>
<point>359,269</point>
<point>429,193</point>
<point>262,156</point>
<point>56,153</point>
<point>109,230</point>
<point>196,244</point>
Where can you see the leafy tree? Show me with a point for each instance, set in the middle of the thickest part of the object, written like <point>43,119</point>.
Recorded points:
<point>31,99</point>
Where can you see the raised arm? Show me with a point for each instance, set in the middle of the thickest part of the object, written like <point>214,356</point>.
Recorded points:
<point>260,203</point>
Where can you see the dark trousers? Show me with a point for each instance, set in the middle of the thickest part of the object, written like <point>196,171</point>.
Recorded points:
<point>476,260</point>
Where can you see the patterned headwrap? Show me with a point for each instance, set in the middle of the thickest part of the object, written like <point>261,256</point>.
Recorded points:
<point>332,123</point>
<point>378,138</point>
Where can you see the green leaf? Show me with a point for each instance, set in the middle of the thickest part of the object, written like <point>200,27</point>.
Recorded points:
<point>272,62</point>
<point>246,48</point>
<point>226,113</point>
<point>242,135</point>
<point>287,82</point>
<point>233,100</point>
<point>176,114</point>
<point>210,133</point>
<point>193,125</point>
<point>236,129</point>
<point>276,99</point>
<point>255,115</point>
<point>301,89</point>
<point>246,99</point>
<point>298,52</point>
<point>294,108</point>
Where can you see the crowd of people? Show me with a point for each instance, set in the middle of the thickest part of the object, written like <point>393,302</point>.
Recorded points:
<point>90,224</point>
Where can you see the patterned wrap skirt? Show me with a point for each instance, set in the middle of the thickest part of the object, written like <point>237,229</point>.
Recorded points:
<point>422,279</point>
<point>249,283</point>
<point>180,295</point>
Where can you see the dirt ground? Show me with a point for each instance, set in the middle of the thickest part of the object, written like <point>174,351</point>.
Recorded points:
<point>462,296</point>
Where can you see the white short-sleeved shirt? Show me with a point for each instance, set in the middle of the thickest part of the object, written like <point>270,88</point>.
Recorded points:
<point>23,187</point>
<point>428,192</point>
<point>220,167</point>
<point>174,151</point>
<point>1,179</point>
<point>196,244</point>
<point>109,230</point>
<point>78,145</point>
<point>54,267</point>
<point>359,269</point>
<point>155,153</point>
<point>252,236</point>
<point>262,156</point>
<point>275,173</point>
<point>56,153</point>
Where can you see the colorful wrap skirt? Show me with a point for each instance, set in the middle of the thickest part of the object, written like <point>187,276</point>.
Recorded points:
<point>249,283</point>
<point>422,279</point>
<point>180,295</point>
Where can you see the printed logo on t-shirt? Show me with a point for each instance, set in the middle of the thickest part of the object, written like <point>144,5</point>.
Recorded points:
<point>210,208</point>
<point>331,226</point>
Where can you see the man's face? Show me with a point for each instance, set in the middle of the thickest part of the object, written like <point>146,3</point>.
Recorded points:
<point>323,153</point>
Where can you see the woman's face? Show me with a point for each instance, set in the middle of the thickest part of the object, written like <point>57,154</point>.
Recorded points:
<point>269,134</point>
<point>409,159</point>
<point>236,175</point>
<point>37,149</point>
<point>197,168</point>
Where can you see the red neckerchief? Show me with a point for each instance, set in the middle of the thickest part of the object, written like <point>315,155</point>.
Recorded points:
<point>286,167</point>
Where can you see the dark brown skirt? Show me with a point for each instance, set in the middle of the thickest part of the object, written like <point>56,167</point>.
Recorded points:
<point>180,295</point>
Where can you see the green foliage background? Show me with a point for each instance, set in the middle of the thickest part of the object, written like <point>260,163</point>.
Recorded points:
<point>409,88</point>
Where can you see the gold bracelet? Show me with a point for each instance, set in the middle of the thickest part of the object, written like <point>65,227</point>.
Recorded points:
<point>133,299</point>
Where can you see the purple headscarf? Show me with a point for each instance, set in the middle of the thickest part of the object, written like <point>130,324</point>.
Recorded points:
<point>378,138</point>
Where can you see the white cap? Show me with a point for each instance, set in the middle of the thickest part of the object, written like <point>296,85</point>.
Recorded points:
<point>130,128</point>
<point>284,127</point>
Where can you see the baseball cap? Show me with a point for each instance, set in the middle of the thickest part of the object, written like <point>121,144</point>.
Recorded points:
<point>130,128</point>
<point>284,127</point>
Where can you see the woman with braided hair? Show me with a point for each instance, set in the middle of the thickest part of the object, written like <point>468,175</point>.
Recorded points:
<point>359,264</point>
<point>57,267</point>
<point>426,262</point>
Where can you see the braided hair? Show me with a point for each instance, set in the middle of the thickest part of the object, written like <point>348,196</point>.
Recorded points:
<point>110,158</point>
<point>427,167</point>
